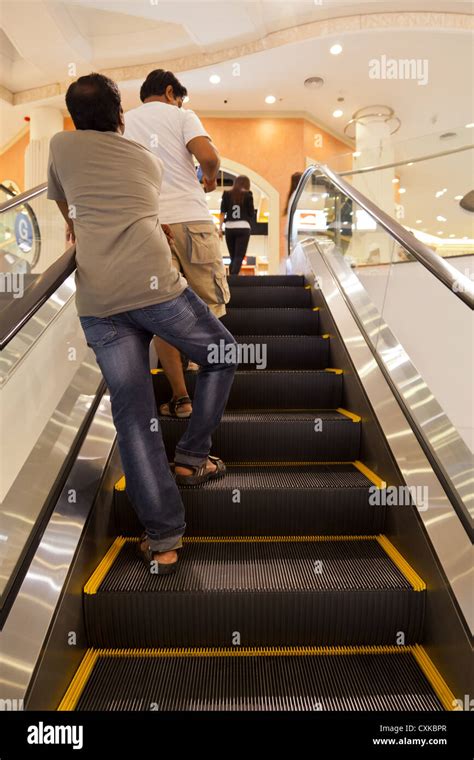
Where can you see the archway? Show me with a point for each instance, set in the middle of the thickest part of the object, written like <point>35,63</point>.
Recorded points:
<point>234,167</point>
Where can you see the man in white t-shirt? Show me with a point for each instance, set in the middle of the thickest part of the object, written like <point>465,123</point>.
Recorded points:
<point>175,135</point>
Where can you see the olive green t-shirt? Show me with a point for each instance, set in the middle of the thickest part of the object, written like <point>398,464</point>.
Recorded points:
<point>112,188</point>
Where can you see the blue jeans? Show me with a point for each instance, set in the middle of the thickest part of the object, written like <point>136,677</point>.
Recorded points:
<point>121,346</point>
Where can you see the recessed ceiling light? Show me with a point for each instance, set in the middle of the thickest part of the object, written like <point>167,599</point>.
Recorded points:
<point>314,198</point>
<point>270,99</point>
<point>419,221</point>
<point>214,79</point>
<point>458,197</point>
<point>469,126</point>
<point>411,163</point>
<point>452,235</point>
<point>395,180</point>
<point>357,154</point>
<point>402,190</point>
<point>441,192</point>
<point>335,49</point>
<point>337,113</point>
<point>440,232</point>
<point>440,218</point>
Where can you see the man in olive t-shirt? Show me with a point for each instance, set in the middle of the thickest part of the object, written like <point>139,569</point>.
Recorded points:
<point>127,290</point>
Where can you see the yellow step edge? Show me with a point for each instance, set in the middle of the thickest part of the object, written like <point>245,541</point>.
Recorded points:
<point>80,678</point>
<point>336,371</point>
<point>438,684</point>
<point>316,308</point>
<point>120,485</point>
<point>156,371</point>
<point>370,474</point>
<point>104,566</point>
<point>270,539</point>
<point>326,336</point>
<point>308,287</point>
<point>106,563</point>
<point>351,415</point>
<point>412,577</point>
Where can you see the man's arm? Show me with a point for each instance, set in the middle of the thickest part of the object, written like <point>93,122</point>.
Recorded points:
<point>64,209</point>
<point>208,157</point>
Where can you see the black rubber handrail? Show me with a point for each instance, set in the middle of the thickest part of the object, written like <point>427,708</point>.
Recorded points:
<point>459,285</point>
<point>19,310</point>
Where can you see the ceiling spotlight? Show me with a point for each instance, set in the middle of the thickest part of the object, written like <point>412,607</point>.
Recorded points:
<point>337,113</point>
<point>419,221</point>
<point>411,163</point>
<point>440,232</point>
<point>470,126</point>
<point>335,49</point>
<point>214,79</point>
<point>395,180</point>
<point>452,235</point>
<point>402,190</point>
<point>270,99</point>
<point>458,197</point>
<point>357,154</point>
<point>440,218</point>
<point>441,192</point>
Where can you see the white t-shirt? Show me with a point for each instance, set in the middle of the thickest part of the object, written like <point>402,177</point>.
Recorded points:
<point>166,130</point>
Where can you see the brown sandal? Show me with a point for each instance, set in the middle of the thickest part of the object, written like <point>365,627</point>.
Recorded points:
<point>172,407</point>
<point>146,554</point>
<point>200,474</point>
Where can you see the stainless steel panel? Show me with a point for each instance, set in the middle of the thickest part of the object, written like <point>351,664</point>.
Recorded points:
<point>23,635</point>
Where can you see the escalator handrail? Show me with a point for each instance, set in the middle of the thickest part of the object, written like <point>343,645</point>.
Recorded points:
<point>457,282</point>
<point>19,310</point>
<point>20,198</point>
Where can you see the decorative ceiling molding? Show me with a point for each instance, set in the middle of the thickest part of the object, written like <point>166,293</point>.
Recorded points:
<point>419,20</point>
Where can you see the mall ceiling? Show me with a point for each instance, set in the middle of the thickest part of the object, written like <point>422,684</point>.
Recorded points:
<point>277,45</point>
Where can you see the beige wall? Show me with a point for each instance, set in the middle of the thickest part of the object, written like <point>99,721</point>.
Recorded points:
<point>274,148</point>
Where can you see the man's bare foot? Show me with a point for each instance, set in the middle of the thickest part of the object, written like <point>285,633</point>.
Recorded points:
<point>179,470</point>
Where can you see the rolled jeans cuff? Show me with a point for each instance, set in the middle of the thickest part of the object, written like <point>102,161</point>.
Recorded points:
<point>165,544</point>
<point>185,458</point>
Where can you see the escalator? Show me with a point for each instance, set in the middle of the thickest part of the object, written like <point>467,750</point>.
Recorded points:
<point>288,595</point>
<point>299,587</point>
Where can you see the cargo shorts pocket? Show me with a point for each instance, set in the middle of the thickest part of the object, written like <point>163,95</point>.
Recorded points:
<point>222,287</point>
<point>203,243</point>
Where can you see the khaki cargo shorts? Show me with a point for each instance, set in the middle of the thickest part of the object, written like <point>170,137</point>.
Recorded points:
<point>196,253</point>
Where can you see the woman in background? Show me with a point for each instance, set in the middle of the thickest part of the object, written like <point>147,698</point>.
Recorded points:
<point>295,178</point>
<point>237,210</point>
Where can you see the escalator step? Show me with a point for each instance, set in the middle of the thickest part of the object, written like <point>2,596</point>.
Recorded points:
<point>285,351</point>
<point>281,321</point>
<point>270,389</point>
<point>271,500</point>
<point>303,679</point>
<point>325,436</point>
<point>285,280</point>
<point>271,591</point>
<point>264,297</point>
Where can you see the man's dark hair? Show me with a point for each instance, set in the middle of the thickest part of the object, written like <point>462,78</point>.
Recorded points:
<point>94,103</point>
<point>156,83</point>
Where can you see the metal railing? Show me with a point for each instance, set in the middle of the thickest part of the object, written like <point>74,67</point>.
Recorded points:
<point>460,285</point>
